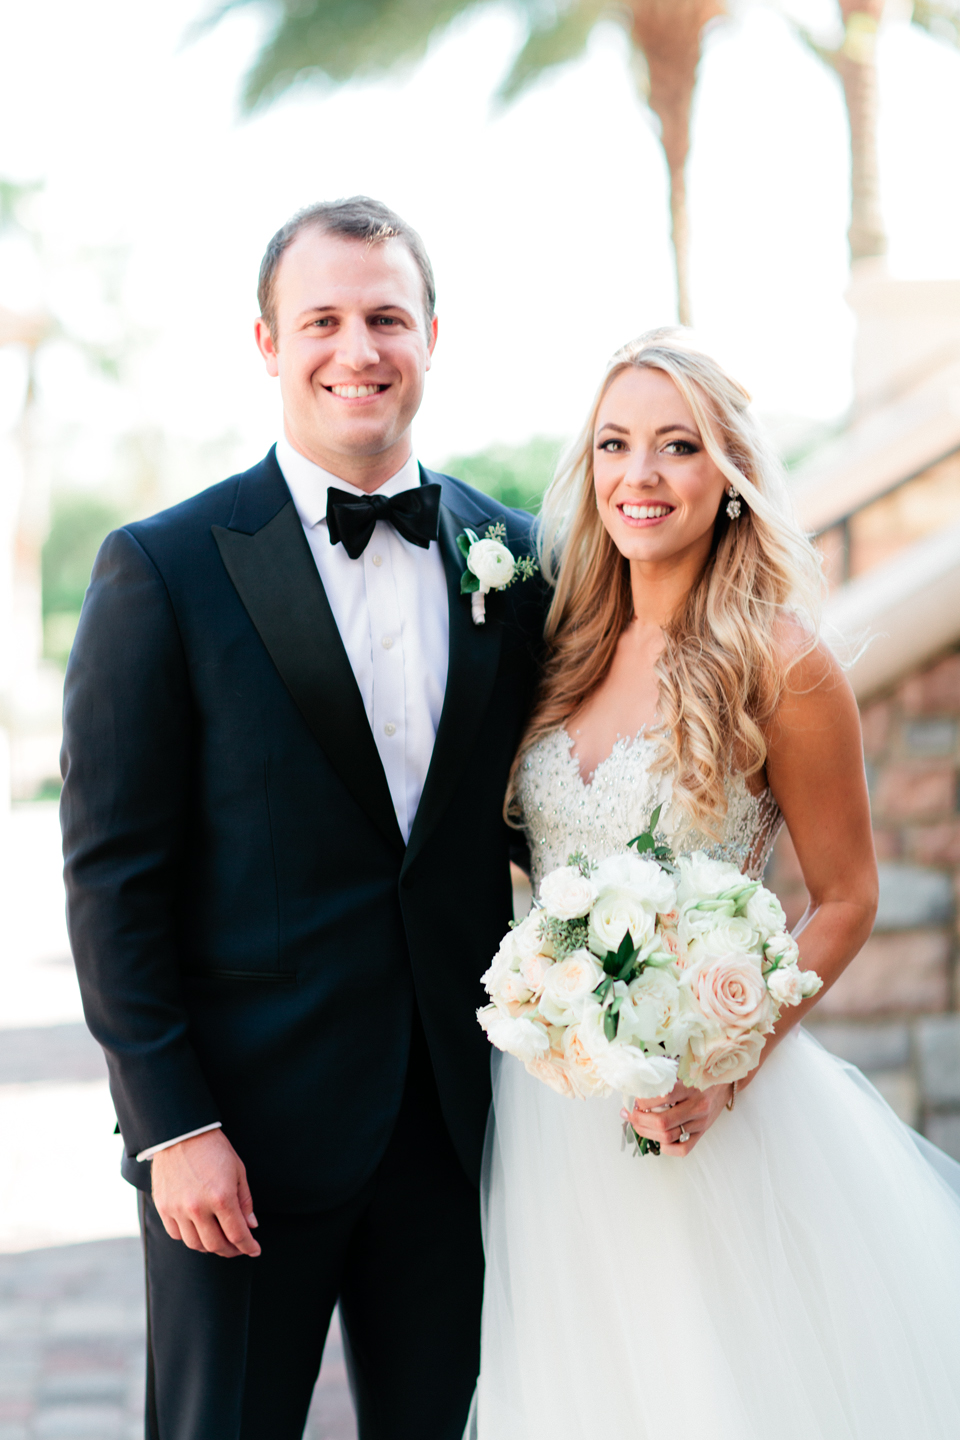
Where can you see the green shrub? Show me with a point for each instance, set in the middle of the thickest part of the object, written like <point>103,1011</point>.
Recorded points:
<point>516,475</point>
<point>78,527</point>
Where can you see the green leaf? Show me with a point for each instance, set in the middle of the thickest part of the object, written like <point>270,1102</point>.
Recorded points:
<point>468,583</point>
<point>617,962</point>
<point>646,844</point>
<point>554,41</point>
<point>940,18</point>
<point>624,972</point>
<point>603,989</point>
<point>337,39</point>
<point>463,544</point>
<point>611,1020</point>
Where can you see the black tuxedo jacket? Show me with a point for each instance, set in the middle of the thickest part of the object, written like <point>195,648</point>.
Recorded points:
<point>250,932</point>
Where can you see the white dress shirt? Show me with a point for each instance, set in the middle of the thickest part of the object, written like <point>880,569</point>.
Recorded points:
<point>391,609</point>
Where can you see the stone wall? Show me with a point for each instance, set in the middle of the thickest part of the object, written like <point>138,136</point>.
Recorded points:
<point>894,1011</point>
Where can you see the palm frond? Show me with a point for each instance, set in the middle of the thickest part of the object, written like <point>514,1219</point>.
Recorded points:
<point>940,18</point>
<point>341,39</point>
<point>822,52</point>
<point>553,40</point>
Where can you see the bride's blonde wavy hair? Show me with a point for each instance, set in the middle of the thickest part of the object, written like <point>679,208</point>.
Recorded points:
<point>724,662</point>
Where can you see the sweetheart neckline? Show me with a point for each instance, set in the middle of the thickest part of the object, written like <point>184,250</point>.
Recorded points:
<point>622,743</point>
<point>625,743</point>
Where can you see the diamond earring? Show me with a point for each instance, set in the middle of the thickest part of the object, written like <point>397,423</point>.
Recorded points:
<point>733,504</point>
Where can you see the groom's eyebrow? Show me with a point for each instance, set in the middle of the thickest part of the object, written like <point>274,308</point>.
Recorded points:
<point>388,306</point>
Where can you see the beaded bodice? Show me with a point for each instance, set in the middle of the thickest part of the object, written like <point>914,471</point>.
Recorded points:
<point>562,813</point>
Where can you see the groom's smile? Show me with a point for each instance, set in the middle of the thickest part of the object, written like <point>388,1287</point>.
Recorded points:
<point>351,344</point>
<point>355,392</point>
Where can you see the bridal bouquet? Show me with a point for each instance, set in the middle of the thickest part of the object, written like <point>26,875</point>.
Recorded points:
<point>638,971</point>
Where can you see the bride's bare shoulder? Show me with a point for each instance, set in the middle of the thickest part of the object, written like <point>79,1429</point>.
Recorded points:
<point>815,692</point>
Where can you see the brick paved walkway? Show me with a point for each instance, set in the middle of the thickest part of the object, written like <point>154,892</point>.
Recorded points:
<point>71,1348</point>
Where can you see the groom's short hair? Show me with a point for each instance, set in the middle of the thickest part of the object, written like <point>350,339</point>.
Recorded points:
<point>358,218</point>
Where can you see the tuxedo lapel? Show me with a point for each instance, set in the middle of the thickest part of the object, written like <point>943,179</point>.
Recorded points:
<point>472,669</point>
<point>275,577</point>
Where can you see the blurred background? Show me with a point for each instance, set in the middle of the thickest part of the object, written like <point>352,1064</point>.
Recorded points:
<point>783,174</point>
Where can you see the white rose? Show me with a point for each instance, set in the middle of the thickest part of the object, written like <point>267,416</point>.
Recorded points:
<point>810,983</point>
<point>628,1069</point>
<point>553,1073</point>
<point>728,933</point>
<point>567,987</point>
<point>652,1007</point>
<point>527,1039</point>
<point>782,947</point>
<point>704,879</point>
<point>623,1066</point>
<point>718,1059</point>
<point>729,989</point>
<point>785,985</point>
<point>566,894</point>
<point>534,971</point>
<point>765,912</point>
<point>615,912</point>
<point>581,1068</point>
<point>492,563</point>
<point>526,935</point>
<point>643,878</point>
<point>695,921</point>
<point>505,961</point>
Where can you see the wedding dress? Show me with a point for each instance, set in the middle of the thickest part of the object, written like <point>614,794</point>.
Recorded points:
<point>795,1277</point>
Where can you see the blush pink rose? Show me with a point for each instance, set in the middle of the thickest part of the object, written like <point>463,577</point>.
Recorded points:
<point>719,1059</point>
<point>581,1069</point>
<point>533,971</point>
<point>729,990</point>
<point>553,1073</point>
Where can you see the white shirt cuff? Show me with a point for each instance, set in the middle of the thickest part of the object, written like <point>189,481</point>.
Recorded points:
<point>155,1149</point>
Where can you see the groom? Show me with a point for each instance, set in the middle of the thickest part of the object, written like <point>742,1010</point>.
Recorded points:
<point>286,745</point>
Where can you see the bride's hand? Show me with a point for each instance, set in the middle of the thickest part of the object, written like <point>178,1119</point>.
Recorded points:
<point>663,1118</point>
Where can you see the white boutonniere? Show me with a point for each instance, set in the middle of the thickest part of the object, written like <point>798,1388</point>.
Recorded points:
<point>490,566</point>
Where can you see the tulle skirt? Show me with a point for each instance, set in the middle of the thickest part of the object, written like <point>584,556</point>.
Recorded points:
<point>796,1277</point>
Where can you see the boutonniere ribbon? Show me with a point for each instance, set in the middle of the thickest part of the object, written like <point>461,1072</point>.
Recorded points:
<point>491,565</point>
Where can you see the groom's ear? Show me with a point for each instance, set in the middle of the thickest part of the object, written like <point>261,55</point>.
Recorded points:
<point>431,341</point>
<point>266,346</point>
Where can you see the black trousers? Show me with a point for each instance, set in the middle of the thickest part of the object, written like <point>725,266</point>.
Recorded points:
<point>234,1346</point>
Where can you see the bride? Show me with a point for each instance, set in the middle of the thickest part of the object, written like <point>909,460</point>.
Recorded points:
<point>789,1267</point>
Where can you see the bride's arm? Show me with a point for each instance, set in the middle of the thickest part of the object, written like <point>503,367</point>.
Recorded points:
<point>815,770</point>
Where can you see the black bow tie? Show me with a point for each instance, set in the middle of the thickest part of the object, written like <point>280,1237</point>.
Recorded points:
<point>414,514</point>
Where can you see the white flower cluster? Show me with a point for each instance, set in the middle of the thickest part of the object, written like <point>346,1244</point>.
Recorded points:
<point>678,974</point>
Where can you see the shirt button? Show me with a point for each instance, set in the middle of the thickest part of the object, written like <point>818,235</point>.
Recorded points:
<point>389,728</point>
<point>387,642</point>
<point>377,559</point>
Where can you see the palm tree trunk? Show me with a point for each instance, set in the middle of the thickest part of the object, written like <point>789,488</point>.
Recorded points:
<point>857,68</point>
<point>669,32</point>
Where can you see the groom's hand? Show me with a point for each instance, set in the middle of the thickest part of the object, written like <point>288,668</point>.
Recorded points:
<point>201,1193</point>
